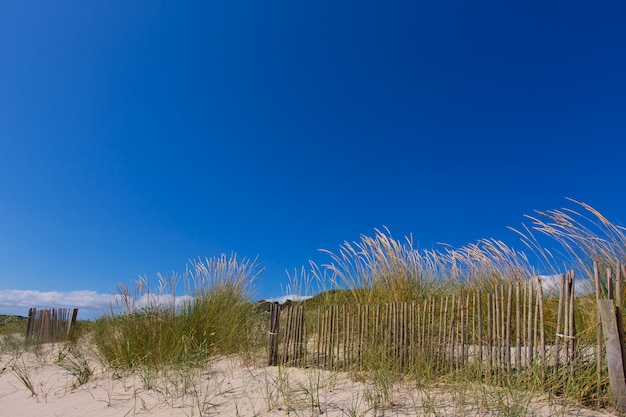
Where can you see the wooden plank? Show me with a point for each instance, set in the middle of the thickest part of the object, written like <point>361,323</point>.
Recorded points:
<point>45,324</point>
<point>542,327</point>
<point>273,336</point>
<point>502,328</point>
<point>451,338</point>
<point>613,354</point>
<point>609,284</point>
<point>337,336</point>
<point>360,336</point>
<point>346,335</point>
<point>524,327</point>
<point>489,333</point>
<point>463,327</point>
<point>473,339</point>
<point>620,317</point>
<point>299,332</point>
<point>319,335</point>
<point>495,323</point>
<point>480,331</point>
<point>466,329</point>
<point>559,321</point>
<point>509,308</point>
<point>286,334</point>
<point>529,333</point>
<point>31,322</point>
<point>572,325</point>
<point>518,331</point>
<point>596,276</point>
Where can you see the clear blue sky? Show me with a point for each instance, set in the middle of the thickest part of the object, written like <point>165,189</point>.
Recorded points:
<point>136,135</point>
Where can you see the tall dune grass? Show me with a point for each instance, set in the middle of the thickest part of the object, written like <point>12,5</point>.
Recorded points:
<point>382,269</point>
<point>156,327</point>
<point>379,269</point>
<point>215,313</point>
<point>582,235</point>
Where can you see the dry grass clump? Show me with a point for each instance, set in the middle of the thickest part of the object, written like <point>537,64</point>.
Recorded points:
<point>582,237</point>
<point>157,327</point>
<point>381,269</point>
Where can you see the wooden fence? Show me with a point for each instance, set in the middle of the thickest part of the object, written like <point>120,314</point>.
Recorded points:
<point>50,324</point>
<point>503,329</point>
<point>497,331</point>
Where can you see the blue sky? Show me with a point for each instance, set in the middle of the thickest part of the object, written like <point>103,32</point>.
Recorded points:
<point>135,136</point>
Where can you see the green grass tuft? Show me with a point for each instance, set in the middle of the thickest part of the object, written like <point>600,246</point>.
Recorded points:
<point>218,318</point>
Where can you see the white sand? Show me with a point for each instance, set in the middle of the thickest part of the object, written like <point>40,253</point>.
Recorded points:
<point>232,388</point>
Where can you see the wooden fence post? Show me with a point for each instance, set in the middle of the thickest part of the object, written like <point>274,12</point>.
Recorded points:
<point>72,320</point>
<point>618,311</point>
<point>572,325</point>
<point>31,320</point>
<point>598,333</point>
<point>274,329</point>
<point>613,353</point>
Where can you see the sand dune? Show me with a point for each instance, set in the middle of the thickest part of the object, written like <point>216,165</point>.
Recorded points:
<point>232,387</point>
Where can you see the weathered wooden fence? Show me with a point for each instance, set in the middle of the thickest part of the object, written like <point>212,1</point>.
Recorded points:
<point>50,324</point>
<point>501,330</point>
<point>611,324</point>
<point>504,328</point>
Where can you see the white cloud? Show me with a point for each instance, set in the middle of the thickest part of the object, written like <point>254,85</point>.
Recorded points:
<point>285,298</point>
<point>91,304</point>
<point>552,285</point>
<point>19,301</point>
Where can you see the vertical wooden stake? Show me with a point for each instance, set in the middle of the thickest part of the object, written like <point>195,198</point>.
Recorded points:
<point>496,327</point>
<point>609,284</point>
<point>274,329</point>
<point>452,328</point>
<point>613,354</point>
<point>531,341</point>
<point>480,331</point>
<point>524,327</point>
<point>508,326</point>
<point>318,334</point>
<point>31,322</point>
<point>502,328</point>
<point>431,330</point>
<point>596,277</point>
<point>559,321</point>
<point>473,339</point>
<point>518,332</point>
<point>572,325</point>
<point>489,332</point>
<point>542,328</point>
<point>566,319</point>
<point>72,320</point>
<point>620,317</point>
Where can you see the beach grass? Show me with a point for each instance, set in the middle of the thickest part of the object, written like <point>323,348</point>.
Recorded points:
<point>10,324</point>
<point>220,318</point>
<point>185,322</point>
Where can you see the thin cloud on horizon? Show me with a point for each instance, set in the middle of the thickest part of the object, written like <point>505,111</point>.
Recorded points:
<point>90,303</point>
<point>19,301</point>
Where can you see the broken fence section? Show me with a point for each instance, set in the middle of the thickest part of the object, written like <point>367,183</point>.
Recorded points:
<point>50,324</point>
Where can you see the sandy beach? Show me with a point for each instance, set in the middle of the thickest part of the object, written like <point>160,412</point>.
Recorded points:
<point>47,382</point>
